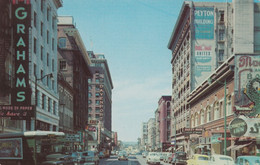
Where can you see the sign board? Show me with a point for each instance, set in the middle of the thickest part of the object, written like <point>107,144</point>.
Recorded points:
<point>11,148</point>
<point>216,138</point>
<point>188,131</point>
<point>245,126</point>
<point>204,23</point>
<point>247,84</point>
<point>17,112</point>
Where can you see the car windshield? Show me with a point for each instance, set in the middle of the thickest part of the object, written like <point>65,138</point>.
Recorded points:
<point>203,158</point>
<point>226,159</point>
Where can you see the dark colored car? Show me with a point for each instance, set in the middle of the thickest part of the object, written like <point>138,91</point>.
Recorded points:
<point>179,158</point>
<point>58,159</point>
<point>122,156</point>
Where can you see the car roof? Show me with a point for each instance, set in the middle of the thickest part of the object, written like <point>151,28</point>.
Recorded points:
<point>216,155</point>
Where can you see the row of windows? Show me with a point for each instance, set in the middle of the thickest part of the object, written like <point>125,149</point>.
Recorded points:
<point>46,103</point>
<point>211,113</point>
<point>97,102</point>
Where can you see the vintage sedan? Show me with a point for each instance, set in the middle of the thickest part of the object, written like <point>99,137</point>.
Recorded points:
<point>248,160</point>
<point>221,160</point>
<point>122,156</point>
<point>198,159</point>
<point>153,158</point>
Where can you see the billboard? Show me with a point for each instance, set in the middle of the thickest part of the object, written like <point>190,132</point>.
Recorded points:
<point>204,23</point>
<point>247,85</point>
<point>11,148</point>
<point>204,60</point>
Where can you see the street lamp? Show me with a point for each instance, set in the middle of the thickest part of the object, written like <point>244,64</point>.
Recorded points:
<point>225,112</point>
<point>36,95</point>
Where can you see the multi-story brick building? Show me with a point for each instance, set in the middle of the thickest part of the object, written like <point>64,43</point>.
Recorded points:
<point>74,67</point>
<point>206,42</point>
<point>164,120</point>
<point>100,100</point>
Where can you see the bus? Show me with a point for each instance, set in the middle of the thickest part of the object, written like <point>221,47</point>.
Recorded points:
<point>30,147</point>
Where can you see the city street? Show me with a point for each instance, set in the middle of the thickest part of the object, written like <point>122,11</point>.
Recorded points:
<point>132,160</point>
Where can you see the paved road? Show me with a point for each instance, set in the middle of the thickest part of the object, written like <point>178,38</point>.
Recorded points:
<point>132,160</point>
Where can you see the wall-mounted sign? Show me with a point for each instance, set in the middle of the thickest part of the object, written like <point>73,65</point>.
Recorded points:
<point>247,85</point>
<point>17,112</point>
<point>21,93</point>
<point>192,131</point>
<point>11,148</point>
<point>238,127</point>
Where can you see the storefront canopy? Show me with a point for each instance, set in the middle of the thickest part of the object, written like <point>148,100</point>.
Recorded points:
<point>237,147</point>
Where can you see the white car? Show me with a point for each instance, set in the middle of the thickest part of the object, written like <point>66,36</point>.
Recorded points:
<point>221,160</point>
<point>153,158</point>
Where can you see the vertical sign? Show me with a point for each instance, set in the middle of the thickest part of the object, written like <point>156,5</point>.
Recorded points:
<point>204,23</point>
<point>247,84</point>
<point>21,14</point>
<point>101,101</point>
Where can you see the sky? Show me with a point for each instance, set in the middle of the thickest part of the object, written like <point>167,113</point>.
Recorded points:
<point>133,35</point>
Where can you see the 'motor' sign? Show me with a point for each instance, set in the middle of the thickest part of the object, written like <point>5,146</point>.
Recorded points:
<point>21,14</point>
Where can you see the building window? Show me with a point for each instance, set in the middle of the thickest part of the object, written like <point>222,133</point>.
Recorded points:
<point>48,37</point>
<point>89,102</point>
<point>48,56</point>
<point>54,107</point>
<point>49,105</point>
<point>47,81</point>
<point>202,117</point>
<point>221,34</point>
<point>89,94</point>
<point>97,94</point>
<point>41,28</point>
<point>48,13</point>
<point>222,16</point>
<point>97,80</point>
<point>35,19</point>
<point>43,101</point>
<point>34,69</point>
<point>62,42</point>
<point>53,22</point>
<point>89,109</point>
<point>196,119</point>
<point>35,45</point>
<point>221,55</point>
<point>216,111</point>
<point>41,5</point>
<point>52,65</point>
<point>208,114</point>
<point>63,65</point>
<point>41,52</point>
<point>52,83</point>
<point>97,102</point>
<point>52,44</point>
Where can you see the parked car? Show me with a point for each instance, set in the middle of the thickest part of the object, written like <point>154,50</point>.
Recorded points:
<point>58,159</point>
<point>248,160</point>
<point>153,158</point>
<point>166,157</point>
<point>221,160</point>
<point>144,154</point>
<point>77,158</point>
<point>179,158</point>
<point>122,156</point>
<point>101,155</point>
<point>169,160</point>
<point>90,157</point>
<point>198,159</point>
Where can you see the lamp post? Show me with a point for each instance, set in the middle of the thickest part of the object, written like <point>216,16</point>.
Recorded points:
<point>36,95</point>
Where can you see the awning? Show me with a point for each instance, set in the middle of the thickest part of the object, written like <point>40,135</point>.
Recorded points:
<point>237,147</point>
